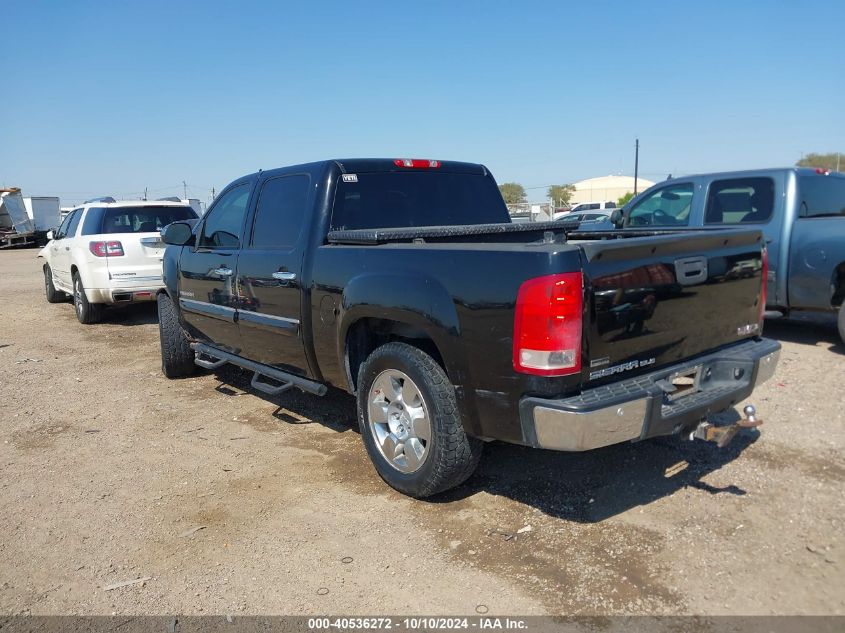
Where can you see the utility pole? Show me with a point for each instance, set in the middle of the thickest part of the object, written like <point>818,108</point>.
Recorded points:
<point>636,163</point>
<point>145,193</point>
<point>185,189</point>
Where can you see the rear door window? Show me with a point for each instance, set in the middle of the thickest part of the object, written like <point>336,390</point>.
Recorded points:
<point>740,201</point>
<point>669,206</point>
<point>822,196</point>
<point>62,232</point>
<point>74,223</point>
<point>280,213</point>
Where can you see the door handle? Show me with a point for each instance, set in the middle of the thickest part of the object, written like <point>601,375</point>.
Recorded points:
<point>284,276</point>
<point>223,272</point>
<point>67,248</point>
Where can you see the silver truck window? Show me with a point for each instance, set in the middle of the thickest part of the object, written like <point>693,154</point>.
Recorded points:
<point>669,206</point>
<point>740,201</point>
<point>822,196</point>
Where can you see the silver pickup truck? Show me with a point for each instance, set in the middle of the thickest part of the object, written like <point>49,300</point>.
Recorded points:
<point>800,211</point>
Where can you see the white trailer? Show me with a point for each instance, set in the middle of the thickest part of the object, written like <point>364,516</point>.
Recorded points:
<point>44,211</point>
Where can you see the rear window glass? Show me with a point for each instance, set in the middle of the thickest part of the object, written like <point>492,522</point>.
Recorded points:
<point>822,196</point>
<point>141,219</point>
<point>740,201</point>
<point>418,198</point>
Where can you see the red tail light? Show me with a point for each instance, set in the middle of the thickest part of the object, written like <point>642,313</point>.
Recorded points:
<point>764,289</point>
<point>547,325</point>
<point>106,249</point>
<point>417,163</point>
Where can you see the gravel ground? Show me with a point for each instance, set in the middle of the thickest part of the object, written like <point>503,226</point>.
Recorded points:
<point>229,501</point>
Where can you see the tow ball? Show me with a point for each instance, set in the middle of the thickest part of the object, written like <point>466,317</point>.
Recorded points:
<point>722,435</point>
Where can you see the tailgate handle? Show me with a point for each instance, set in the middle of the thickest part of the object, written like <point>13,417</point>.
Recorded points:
<point>691,270</point>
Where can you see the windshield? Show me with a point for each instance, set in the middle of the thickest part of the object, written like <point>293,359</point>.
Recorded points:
<point>418,198</point>
<point>142,219</point>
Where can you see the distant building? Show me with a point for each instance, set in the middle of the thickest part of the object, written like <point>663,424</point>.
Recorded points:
<point>606,188</point>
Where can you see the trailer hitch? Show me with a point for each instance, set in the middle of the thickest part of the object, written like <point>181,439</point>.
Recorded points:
<point>723,435</point>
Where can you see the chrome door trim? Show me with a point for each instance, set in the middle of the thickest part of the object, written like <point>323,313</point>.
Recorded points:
<point>224,313</point>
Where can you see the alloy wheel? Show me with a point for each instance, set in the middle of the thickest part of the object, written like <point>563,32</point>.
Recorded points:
<point>399,420</point>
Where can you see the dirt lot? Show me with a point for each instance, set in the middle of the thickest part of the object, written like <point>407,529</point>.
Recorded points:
<point>108,467</point>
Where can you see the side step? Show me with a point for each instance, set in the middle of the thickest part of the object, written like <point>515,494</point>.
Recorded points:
<point>214,358</point>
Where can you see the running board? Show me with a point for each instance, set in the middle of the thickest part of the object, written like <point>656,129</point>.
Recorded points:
<point>287,380</point>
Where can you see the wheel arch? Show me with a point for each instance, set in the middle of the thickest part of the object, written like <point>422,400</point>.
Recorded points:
<point>837,284</point>
<point>415,308</point>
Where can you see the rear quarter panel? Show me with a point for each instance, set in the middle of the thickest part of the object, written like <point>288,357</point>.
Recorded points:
<point>461,295</point>
<point>816,250</point>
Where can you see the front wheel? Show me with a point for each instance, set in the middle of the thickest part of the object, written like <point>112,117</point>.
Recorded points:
<point>53,295</point>
<point>177,357</point>
<point>410,422</point>
<point>86,312</point>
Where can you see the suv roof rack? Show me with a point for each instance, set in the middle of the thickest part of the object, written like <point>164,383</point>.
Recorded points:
<point>100,199</point>
<point>169,199</point>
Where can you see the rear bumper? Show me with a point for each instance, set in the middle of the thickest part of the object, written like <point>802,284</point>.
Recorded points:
<point>132,294</point>
<point>640,407</point>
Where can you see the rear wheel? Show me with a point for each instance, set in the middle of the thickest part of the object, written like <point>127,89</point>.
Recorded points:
<point>86,312</point>
<point>53,295</point>
<point>410,422</point>
<point>842,321</point>
<point>177,357</point>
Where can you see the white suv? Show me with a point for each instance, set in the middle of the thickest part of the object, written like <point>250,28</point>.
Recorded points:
<point>108,252</point>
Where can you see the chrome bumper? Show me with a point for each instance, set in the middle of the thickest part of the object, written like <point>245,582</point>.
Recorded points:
<point>639,407</point>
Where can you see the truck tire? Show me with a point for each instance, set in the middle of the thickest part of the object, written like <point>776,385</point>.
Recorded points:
<point>86,312</point>
<point>177,357</point>
<point>410,422</point>
<point>53,295</point>
<point>842,321</point>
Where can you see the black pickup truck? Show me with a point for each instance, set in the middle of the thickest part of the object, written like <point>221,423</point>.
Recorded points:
<point>404,282</point>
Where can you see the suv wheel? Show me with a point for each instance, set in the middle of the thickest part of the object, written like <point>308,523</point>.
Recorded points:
<point>85,312</point>
<point>177,357</point>
<point>53,295</point>
<point>410,422</point>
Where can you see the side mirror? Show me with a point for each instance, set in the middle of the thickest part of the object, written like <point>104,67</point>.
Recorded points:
<point>617,217</point>
<point>51,234</point>
<point>178,234</point>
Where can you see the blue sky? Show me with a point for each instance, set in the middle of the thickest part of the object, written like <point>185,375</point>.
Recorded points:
<point>111,97</point>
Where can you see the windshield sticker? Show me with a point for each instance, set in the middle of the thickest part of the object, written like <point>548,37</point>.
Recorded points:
<point>350,177</point>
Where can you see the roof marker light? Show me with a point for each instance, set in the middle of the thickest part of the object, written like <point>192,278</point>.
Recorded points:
<point>417,163</point>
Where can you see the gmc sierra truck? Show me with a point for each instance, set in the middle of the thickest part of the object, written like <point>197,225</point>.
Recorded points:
<point>404,283</point>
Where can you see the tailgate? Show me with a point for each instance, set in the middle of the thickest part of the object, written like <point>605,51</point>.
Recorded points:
<point>141,262</point>
<point>657,300</point>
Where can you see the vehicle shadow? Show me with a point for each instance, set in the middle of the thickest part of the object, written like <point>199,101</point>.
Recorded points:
<point>809,329</point>
<point>143,313</point>
<point>584,487</point>
<point>596,485</point>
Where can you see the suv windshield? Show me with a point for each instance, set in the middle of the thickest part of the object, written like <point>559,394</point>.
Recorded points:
<point>419,198</point>
<point>140,219</point>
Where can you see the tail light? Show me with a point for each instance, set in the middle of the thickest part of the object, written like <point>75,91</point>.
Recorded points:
<point>764,288</point>
<point>106,249</point>
<point>417,163</point>
<point>547,325</point>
